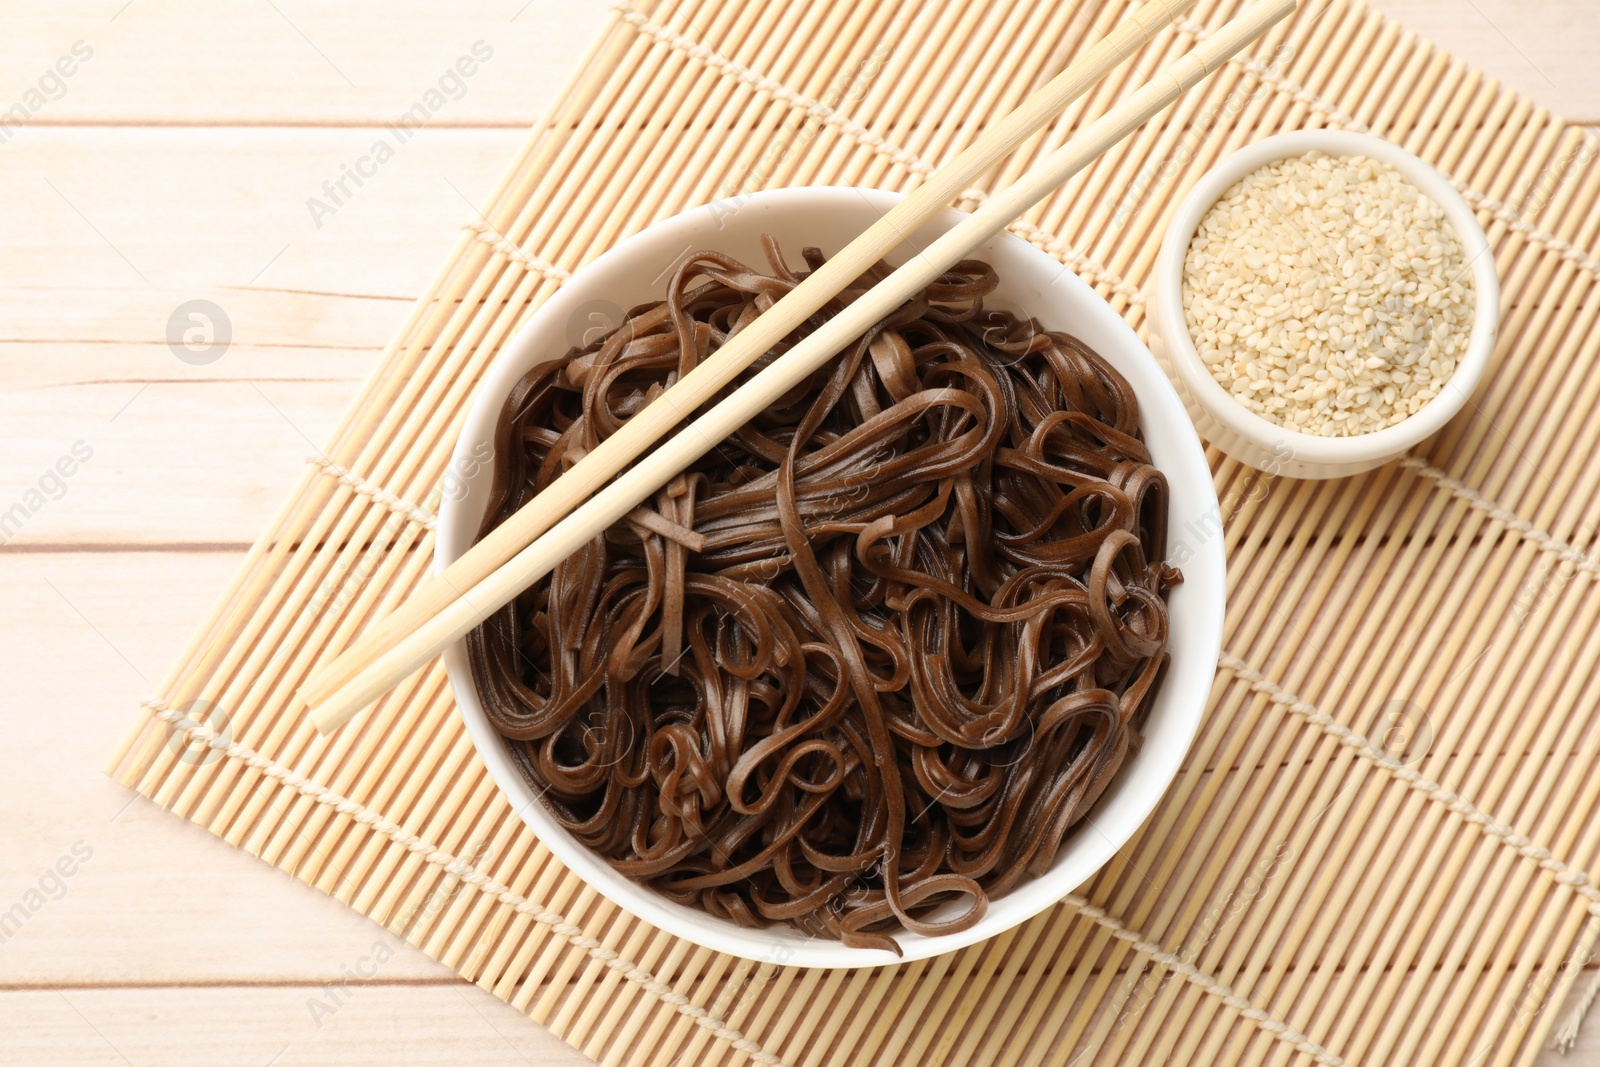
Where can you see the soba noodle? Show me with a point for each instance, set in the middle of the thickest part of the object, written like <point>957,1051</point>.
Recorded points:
<point>879,651</point>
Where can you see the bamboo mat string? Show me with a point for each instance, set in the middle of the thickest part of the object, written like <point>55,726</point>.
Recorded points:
<point>511,250</point>
<point>1405,923</point>
<point>198,732</point>
<point>1566,1035</point>
<point>415,512</point>
<point>1547,542</point>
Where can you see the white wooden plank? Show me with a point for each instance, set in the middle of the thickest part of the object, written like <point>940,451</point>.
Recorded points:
<point>1545,50</point>
<point>158,900</point>
<point>294,61</point>
<point>158,463</point>
<point>445,1025</point>
<point>202,210</point>
<point>201,453</point>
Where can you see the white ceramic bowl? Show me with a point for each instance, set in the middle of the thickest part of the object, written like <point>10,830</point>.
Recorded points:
<point>632,273</point>
<point>1240,432</point>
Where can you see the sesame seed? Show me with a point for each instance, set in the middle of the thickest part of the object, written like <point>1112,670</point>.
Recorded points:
<point>1328,294</point>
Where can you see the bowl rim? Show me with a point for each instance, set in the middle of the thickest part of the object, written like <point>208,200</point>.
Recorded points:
<point>1205,585</point>
<point>1312,449</point>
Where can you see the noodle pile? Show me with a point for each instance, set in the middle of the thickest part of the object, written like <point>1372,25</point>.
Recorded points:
<point>879,651</point>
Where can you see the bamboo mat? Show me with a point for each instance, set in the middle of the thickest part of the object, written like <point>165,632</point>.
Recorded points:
<point>1375,853</point>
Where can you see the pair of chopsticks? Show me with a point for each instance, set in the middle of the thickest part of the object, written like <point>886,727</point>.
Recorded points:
<point>575,508</point>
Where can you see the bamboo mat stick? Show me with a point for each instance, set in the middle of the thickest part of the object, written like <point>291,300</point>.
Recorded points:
<point>471,607</point>
<point>697,387</point>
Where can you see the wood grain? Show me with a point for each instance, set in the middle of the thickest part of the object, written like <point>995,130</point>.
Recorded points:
<point>296,63</point>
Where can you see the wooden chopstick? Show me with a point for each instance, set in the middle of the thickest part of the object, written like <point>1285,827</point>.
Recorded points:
<point>702,383</point>
<point>456,604</point>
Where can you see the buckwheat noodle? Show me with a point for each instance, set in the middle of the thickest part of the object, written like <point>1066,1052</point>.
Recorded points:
<point>879,651</point>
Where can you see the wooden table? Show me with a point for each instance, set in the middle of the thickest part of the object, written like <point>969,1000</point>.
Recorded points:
<point>179,152</point>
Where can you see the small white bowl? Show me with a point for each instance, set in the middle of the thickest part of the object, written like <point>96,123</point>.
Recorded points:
<point>634,272</point>
<point>1249,437</point>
